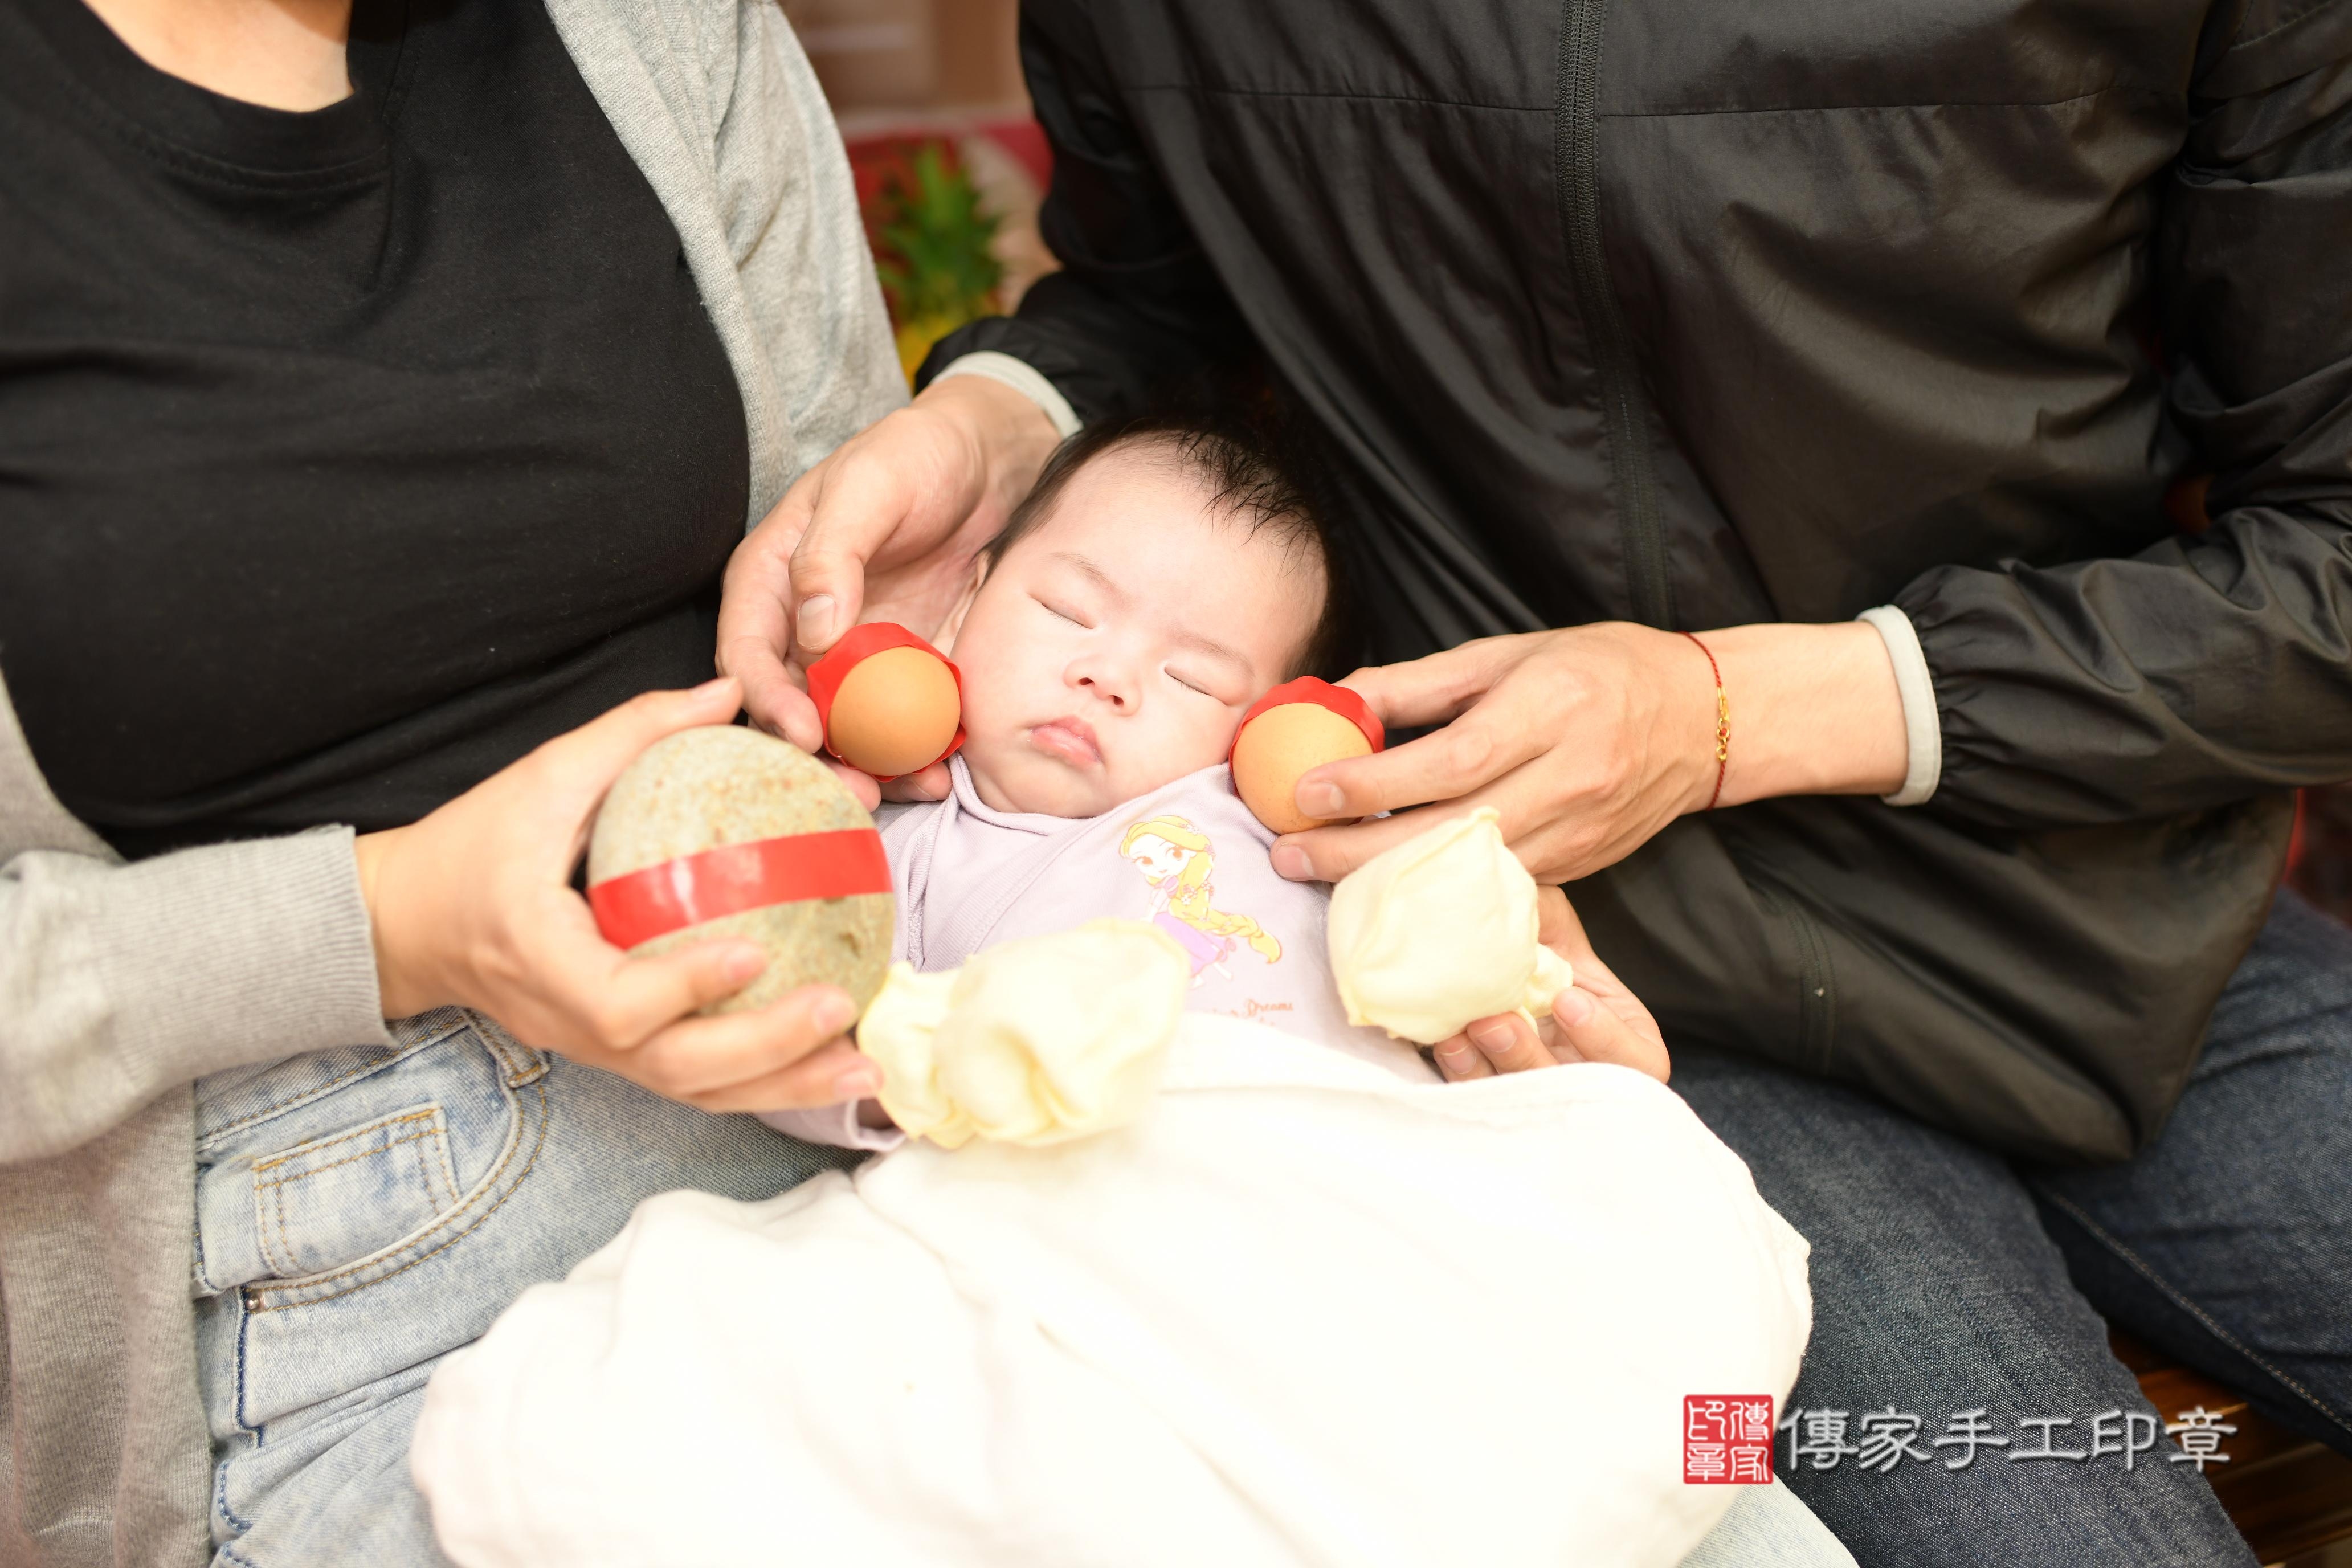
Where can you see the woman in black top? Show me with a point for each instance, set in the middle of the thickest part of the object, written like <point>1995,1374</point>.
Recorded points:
<point>383,388</point>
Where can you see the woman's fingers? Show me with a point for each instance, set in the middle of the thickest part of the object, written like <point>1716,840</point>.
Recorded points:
<point>697,1057</point>
<point>814,1081</point>
<point>856,782</point>
<point>775,702</point>
<point>857,506</point>
<point>932,783</point>
<point>576,768</point>
<point>755,633</point>
<point>603,999</point>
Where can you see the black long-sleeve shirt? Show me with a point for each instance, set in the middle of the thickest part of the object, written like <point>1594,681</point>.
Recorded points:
<point>344,456</point>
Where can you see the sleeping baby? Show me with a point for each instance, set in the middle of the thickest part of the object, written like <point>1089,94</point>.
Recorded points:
<point>1159,578</point>
<point>1204,1334</point>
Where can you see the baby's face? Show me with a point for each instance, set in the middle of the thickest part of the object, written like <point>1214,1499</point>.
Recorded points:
<point>1115,646</point>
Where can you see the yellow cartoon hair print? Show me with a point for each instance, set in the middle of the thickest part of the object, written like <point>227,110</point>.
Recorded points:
<point>1180,863</point>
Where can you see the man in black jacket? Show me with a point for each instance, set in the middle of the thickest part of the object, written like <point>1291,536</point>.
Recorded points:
<point>2020,334</point>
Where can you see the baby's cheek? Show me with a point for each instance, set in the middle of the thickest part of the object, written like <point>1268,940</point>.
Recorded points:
<point>1169,745</point>
<point>987,715</point>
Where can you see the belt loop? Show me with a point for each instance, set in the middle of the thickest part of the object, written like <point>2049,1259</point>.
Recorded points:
<point>521,1063</point>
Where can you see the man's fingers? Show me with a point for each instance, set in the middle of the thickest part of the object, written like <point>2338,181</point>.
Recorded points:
<point>1328,854</point>
<point>1471,753</point>
<point>698,1055</point>
<point>1558,928</point>
<point>1460,1061</point>
<point>1509,1044</point>
<point>1596,1033</point>
<point>1433,688</point>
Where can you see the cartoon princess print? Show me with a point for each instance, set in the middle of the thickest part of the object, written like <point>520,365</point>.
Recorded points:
<point>1177,859</point>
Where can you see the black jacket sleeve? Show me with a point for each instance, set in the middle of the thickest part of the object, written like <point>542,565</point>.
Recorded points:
<point>1136,305</point>
<point>2215,665</point>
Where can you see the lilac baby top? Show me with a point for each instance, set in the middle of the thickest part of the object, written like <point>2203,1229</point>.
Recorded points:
<point>1189,857</point>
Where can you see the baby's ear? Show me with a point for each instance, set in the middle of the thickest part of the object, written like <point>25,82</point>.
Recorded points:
<point>951,628</point>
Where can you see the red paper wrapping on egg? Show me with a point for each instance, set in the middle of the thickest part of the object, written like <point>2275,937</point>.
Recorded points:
<point>1278,742</point>
<point>858,644</point>
<point>1339,699</point>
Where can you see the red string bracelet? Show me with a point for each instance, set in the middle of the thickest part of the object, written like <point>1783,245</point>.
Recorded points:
<point>1722,723</point>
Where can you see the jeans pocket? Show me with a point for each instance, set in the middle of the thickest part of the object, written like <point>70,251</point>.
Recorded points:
<point>321,1163</point>
<point>325,1187</point>
<point>336,1199</point>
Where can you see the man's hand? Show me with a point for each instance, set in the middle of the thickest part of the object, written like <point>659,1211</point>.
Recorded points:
<point>1594,1020</point>
<point>1588,740</point>
<point>890,527</point>
<point>473,906</point>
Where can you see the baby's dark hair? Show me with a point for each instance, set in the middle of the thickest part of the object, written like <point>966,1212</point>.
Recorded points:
<point>1249,477</point>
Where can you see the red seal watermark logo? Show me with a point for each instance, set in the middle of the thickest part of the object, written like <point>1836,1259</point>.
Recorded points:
<point>1728,1439</point>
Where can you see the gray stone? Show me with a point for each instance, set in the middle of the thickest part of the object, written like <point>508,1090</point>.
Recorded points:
<point>726,784</point>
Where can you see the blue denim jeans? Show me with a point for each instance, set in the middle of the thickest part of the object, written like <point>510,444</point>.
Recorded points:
<point>361,1214</point>
<point>1958,1293</point>
<point>1769,1526</point>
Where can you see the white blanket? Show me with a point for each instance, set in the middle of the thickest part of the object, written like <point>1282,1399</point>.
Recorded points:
<point>1302,1312</point>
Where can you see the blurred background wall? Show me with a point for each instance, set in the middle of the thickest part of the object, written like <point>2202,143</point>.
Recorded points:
<point>950,166</point>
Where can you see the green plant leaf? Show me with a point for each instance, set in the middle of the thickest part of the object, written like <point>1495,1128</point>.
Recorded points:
<point>933,257</point>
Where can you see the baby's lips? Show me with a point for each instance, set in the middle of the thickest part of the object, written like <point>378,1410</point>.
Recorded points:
<point>1070,743</point>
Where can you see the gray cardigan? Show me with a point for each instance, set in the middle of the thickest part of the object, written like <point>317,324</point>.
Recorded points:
<point>119,985</point>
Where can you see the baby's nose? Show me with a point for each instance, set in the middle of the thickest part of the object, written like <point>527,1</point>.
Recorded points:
<point>1111,691</point>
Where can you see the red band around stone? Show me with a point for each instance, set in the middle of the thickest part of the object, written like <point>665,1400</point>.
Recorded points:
<point>641,905</point>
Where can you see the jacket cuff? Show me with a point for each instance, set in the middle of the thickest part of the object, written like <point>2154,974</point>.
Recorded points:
<point>1923,728</point>
<point>1022,378</point>
<point>239,952</point>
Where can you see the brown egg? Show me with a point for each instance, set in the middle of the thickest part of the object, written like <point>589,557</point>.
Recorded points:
<point>1278,746</point>
<point>895,711</point>
<point>724,788</point>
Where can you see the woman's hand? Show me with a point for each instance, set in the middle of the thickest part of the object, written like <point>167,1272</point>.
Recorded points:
<point>1589,739</point>
<point>1594,1020</point>
<point>473,906</point>
<point>888,527</point>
